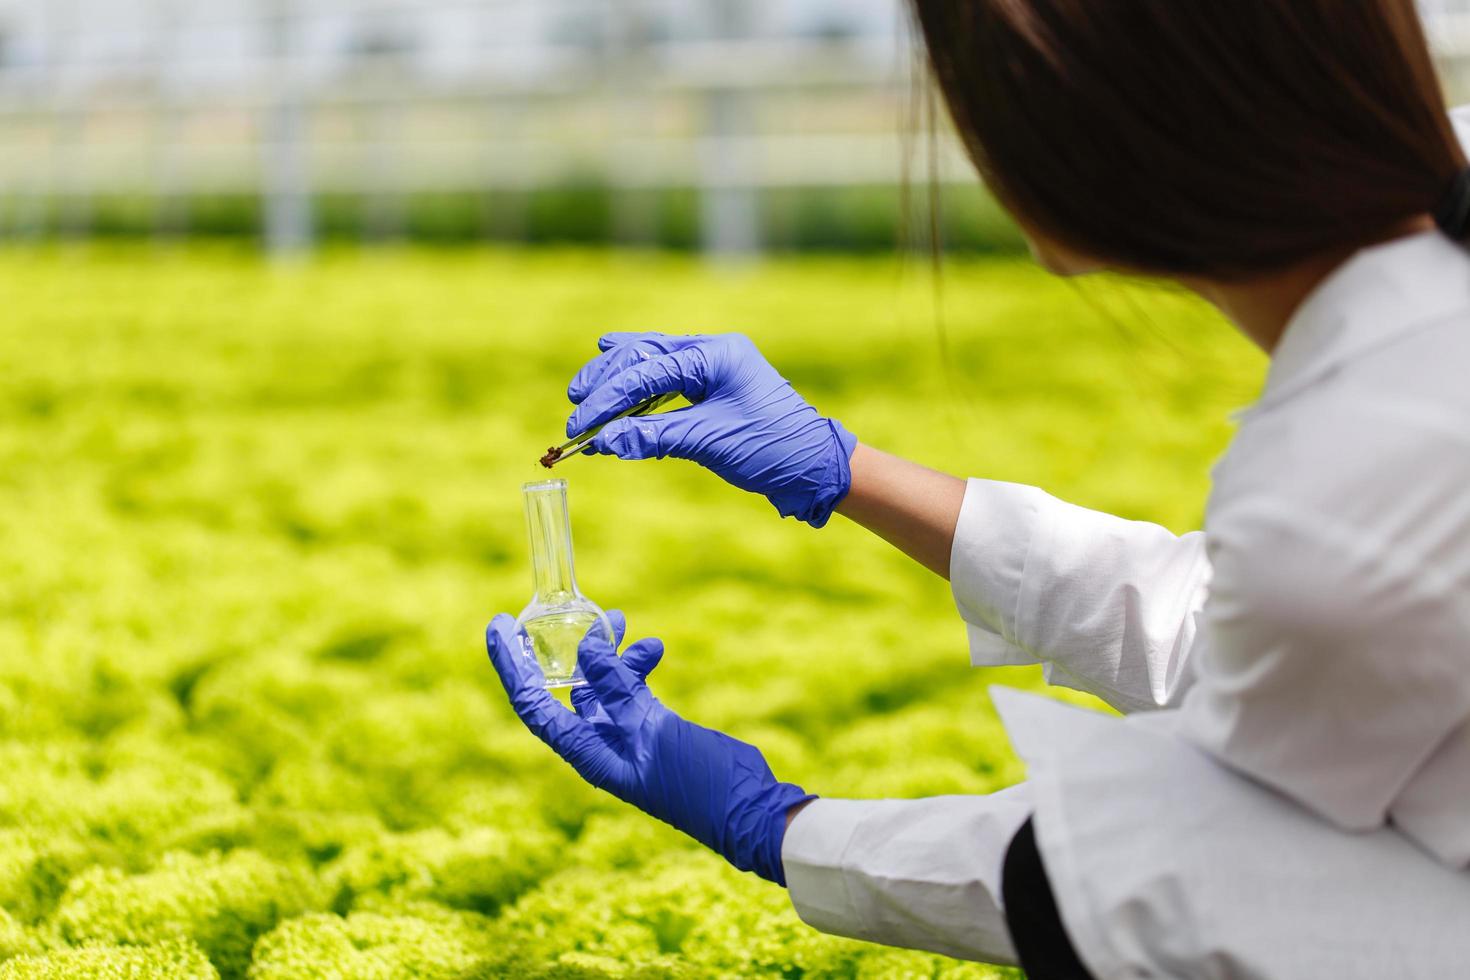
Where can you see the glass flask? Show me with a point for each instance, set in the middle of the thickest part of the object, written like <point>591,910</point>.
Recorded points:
<point>559,615</point>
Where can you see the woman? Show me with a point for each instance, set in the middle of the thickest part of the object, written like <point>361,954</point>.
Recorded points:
<point>1289,795</point>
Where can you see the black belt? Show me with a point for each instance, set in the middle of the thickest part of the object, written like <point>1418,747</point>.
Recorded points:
<point>1036,929</point>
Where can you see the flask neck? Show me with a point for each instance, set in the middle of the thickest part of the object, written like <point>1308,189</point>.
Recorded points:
<point>550,528</point>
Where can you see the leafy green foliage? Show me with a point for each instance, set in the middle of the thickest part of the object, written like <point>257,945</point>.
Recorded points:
<point>479,870</point>
<point>419,941</point>
<point>866,218</point>
<point>15,938</point>
<point>221,902</point>
<point>255,519</point>
<point>170,960</point>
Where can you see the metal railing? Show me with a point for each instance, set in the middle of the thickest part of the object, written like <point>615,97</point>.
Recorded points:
<point>290,99</point>
<point>726,109</point>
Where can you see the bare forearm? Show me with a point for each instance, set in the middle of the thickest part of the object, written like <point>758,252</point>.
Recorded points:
<point>791,813</point>
<point>912,507</point>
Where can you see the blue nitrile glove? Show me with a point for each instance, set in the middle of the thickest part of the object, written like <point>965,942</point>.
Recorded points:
<point>621,739</point>
<point>747,424</point>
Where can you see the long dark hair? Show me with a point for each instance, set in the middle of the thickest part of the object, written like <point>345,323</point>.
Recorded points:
<point>1209,137</point>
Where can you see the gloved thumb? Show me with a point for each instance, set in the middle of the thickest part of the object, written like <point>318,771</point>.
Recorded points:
<point>641,656</point>
<point>507,656</point>
<point>646,437</point>
<point>607,675</point>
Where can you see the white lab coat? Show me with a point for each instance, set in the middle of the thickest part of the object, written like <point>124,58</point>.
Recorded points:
<point>1289,795</point>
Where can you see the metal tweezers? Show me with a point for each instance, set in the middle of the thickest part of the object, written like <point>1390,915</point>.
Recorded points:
<point>573,447</point>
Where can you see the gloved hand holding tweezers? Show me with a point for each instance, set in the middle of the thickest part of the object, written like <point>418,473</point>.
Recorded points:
<point>746,424</point>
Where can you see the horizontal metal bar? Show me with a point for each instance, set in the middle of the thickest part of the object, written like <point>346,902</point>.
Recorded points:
<point>846,162</point>
<point>698,54</point>
<point>359,10</point>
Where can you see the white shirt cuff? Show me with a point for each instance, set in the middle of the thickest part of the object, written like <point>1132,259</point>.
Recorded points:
<point>923,874</point>
<point>987,566</point>
<point>812,853</point>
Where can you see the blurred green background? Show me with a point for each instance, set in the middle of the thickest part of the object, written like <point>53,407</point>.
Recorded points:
<point>292,290</point>
<point>255,518</point>
<point>861,220</point>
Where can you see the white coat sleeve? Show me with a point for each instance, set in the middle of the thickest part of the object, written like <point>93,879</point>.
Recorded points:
<point>921,874</point>
<point>1108,606</point>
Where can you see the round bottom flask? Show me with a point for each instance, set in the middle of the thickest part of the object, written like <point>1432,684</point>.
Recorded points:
<point>558,616</point>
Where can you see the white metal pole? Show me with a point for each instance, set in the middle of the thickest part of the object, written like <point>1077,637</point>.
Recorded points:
<point>386,72</point>
<point>37,188</point>
<point>74,192</point>
<point>170,183</point>
<point>729,216</point>
<point>632,216</point>
<point>286,180</point>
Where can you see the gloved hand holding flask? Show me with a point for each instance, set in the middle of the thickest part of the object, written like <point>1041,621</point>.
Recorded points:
<point>747,424</point>
<point>622,739</point>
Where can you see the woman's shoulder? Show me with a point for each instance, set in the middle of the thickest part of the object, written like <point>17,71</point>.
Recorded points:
<point>1368,468</point>
<point>1392,417</point>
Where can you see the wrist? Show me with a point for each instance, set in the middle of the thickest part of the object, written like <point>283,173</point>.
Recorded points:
<point>911,506</point>
<point>836,483</point>
<point>791,813</point>
<point>858,465</point>
<point>790,800</point>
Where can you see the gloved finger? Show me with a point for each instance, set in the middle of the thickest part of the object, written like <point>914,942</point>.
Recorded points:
<point>579,742</point>
<point>667,343</point>
<point>619,624</point>
<point>617,688</point>
<point>525,685</point>
<point>507,655</point>
<point>620,338</point>
<point>609,363</point>
<point>585,703</point>
<point>629,439</point>
<point>590,710</point>
<point>621,351</point>
<point>642,656</point>
<point>518,672</point>
<point>682,371</point>
<point>647,437</point>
